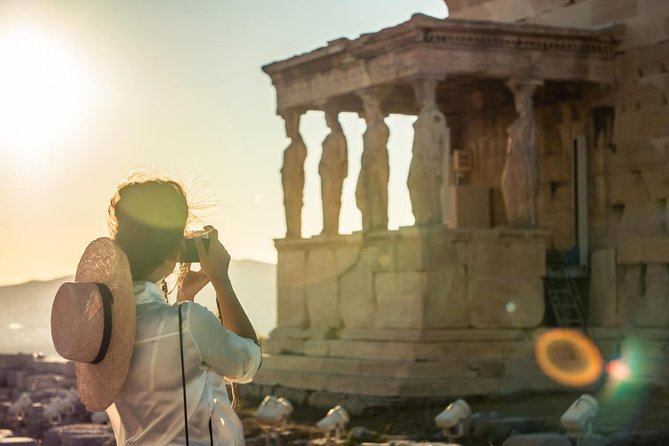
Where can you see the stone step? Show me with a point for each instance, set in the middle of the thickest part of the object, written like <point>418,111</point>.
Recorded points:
<point>400,387</point>
<point>402,351</point>
<point>18,441</point>
<point>422,351</point>
<point>462,368</point>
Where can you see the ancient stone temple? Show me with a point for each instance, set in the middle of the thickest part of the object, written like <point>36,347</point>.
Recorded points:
<point>540,164</point>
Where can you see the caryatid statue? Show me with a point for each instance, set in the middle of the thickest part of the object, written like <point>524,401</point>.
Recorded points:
<point>430,164</point>
<point>333,170</point>
<point>292,175</point>
<point>520,177</point>
<point>371,193</point>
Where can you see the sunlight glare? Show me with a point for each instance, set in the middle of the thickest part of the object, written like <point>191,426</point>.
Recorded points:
<point>46,93</point>
<point>618,370</point>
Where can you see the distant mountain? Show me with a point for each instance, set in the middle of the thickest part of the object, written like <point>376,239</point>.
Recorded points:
<point>255,285</point>
<point>25,319</point>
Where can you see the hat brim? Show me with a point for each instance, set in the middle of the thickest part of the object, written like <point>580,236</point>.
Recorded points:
<point>99,384</point>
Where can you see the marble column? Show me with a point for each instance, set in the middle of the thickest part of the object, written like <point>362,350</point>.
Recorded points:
<point>520,177</point>
<point>371,193</point>
<point>292,175</point>
<point>333,169</point>
<point>430,164</point>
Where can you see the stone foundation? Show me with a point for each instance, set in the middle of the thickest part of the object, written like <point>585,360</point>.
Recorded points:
<point>414,278</point>
<point>407,363</point>
<point>411,313</point>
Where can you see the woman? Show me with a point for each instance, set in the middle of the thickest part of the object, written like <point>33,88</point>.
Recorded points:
<point>147,220</point>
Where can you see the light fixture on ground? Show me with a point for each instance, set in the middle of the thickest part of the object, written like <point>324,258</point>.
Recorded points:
<point>272,414</point>
<point>452,419</point>
<point>578,418</point>
<point>335,421</point>
<point>273,410</point>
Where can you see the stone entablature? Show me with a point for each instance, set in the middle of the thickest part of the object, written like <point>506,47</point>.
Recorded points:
<point>425,46</point>
<point>438,70</point>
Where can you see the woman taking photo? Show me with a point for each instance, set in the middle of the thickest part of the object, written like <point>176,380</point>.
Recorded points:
<point>162,385</point>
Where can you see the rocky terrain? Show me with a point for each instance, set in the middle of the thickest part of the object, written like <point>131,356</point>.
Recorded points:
<point>39,407</point>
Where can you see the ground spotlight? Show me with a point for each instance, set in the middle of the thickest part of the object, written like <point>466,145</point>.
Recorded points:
<point>273,410</point>
<point>335,421</point>
<point>452,419</point>
<point>578,418</point>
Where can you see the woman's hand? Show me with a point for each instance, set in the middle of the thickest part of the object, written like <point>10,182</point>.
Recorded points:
<point>190,284</point>
<point>215,260</point>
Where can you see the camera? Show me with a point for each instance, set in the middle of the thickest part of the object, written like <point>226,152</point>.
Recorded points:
<point>189,252</point>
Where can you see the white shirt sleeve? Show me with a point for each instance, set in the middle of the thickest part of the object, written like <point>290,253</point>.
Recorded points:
<point>228,354</point>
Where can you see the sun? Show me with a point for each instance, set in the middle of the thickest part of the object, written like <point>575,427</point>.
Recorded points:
<point>45,93</point>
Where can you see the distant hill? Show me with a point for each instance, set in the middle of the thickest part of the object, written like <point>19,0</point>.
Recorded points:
<point>25,319</point>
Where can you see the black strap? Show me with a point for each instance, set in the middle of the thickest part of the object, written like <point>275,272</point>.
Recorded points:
<point>183,376</point>
<point>183,385</point>
<point>211,434</point>
<point>107,301</point>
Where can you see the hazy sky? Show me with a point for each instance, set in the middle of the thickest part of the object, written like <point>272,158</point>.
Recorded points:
<point>90,90</point>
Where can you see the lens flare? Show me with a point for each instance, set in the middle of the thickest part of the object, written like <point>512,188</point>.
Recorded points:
<point>568,357</point>
<point>618,370</point>
<point>510,307</point>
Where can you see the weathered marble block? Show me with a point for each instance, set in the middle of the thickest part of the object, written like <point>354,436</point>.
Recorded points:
<point>506,285</point>
<point>357,303</point>
<point>322,288</point>
<point>637,250</point>
<point>446,304</point>
<point>400,297</point>
<point>603,298</point>
<point>291,291</point>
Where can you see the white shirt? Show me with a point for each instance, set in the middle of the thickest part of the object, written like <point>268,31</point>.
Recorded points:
<point>149,409</point>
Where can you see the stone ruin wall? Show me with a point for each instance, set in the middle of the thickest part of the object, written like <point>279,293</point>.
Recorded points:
<point>629,165</point>
<point>408,313</point>
<point>412,279</point>
<point>484,134</point>
<point>343,340</point>
<point>628,170</point>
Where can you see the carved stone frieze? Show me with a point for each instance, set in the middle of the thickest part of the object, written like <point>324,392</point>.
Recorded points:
<point>425,46</point>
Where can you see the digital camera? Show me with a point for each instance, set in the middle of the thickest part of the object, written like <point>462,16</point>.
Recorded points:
<point>189,252</point>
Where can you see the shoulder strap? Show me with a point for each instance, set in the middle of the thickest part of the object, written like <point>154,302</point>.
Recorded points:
<point>183,375</point>
<point>183,384</point>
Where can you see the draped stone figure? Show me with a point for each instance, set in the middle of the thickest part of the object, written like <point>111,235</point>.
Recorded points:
<point>520,177</point>
<point>430,164</point>
<point>371,193</point>
<point>333,170</point>
<point>292,175</point>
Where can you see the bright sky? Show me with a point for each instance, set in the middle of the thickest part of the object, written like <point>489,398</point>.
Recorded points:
<point>90,90</point>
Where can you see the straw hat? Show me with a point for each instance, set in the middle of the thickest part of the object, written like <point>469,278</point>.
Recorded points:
<point>93,323</point>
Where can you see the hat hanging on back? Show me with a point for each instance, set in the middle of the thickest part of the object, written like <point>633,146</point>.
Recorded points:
<point>93,323</point>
